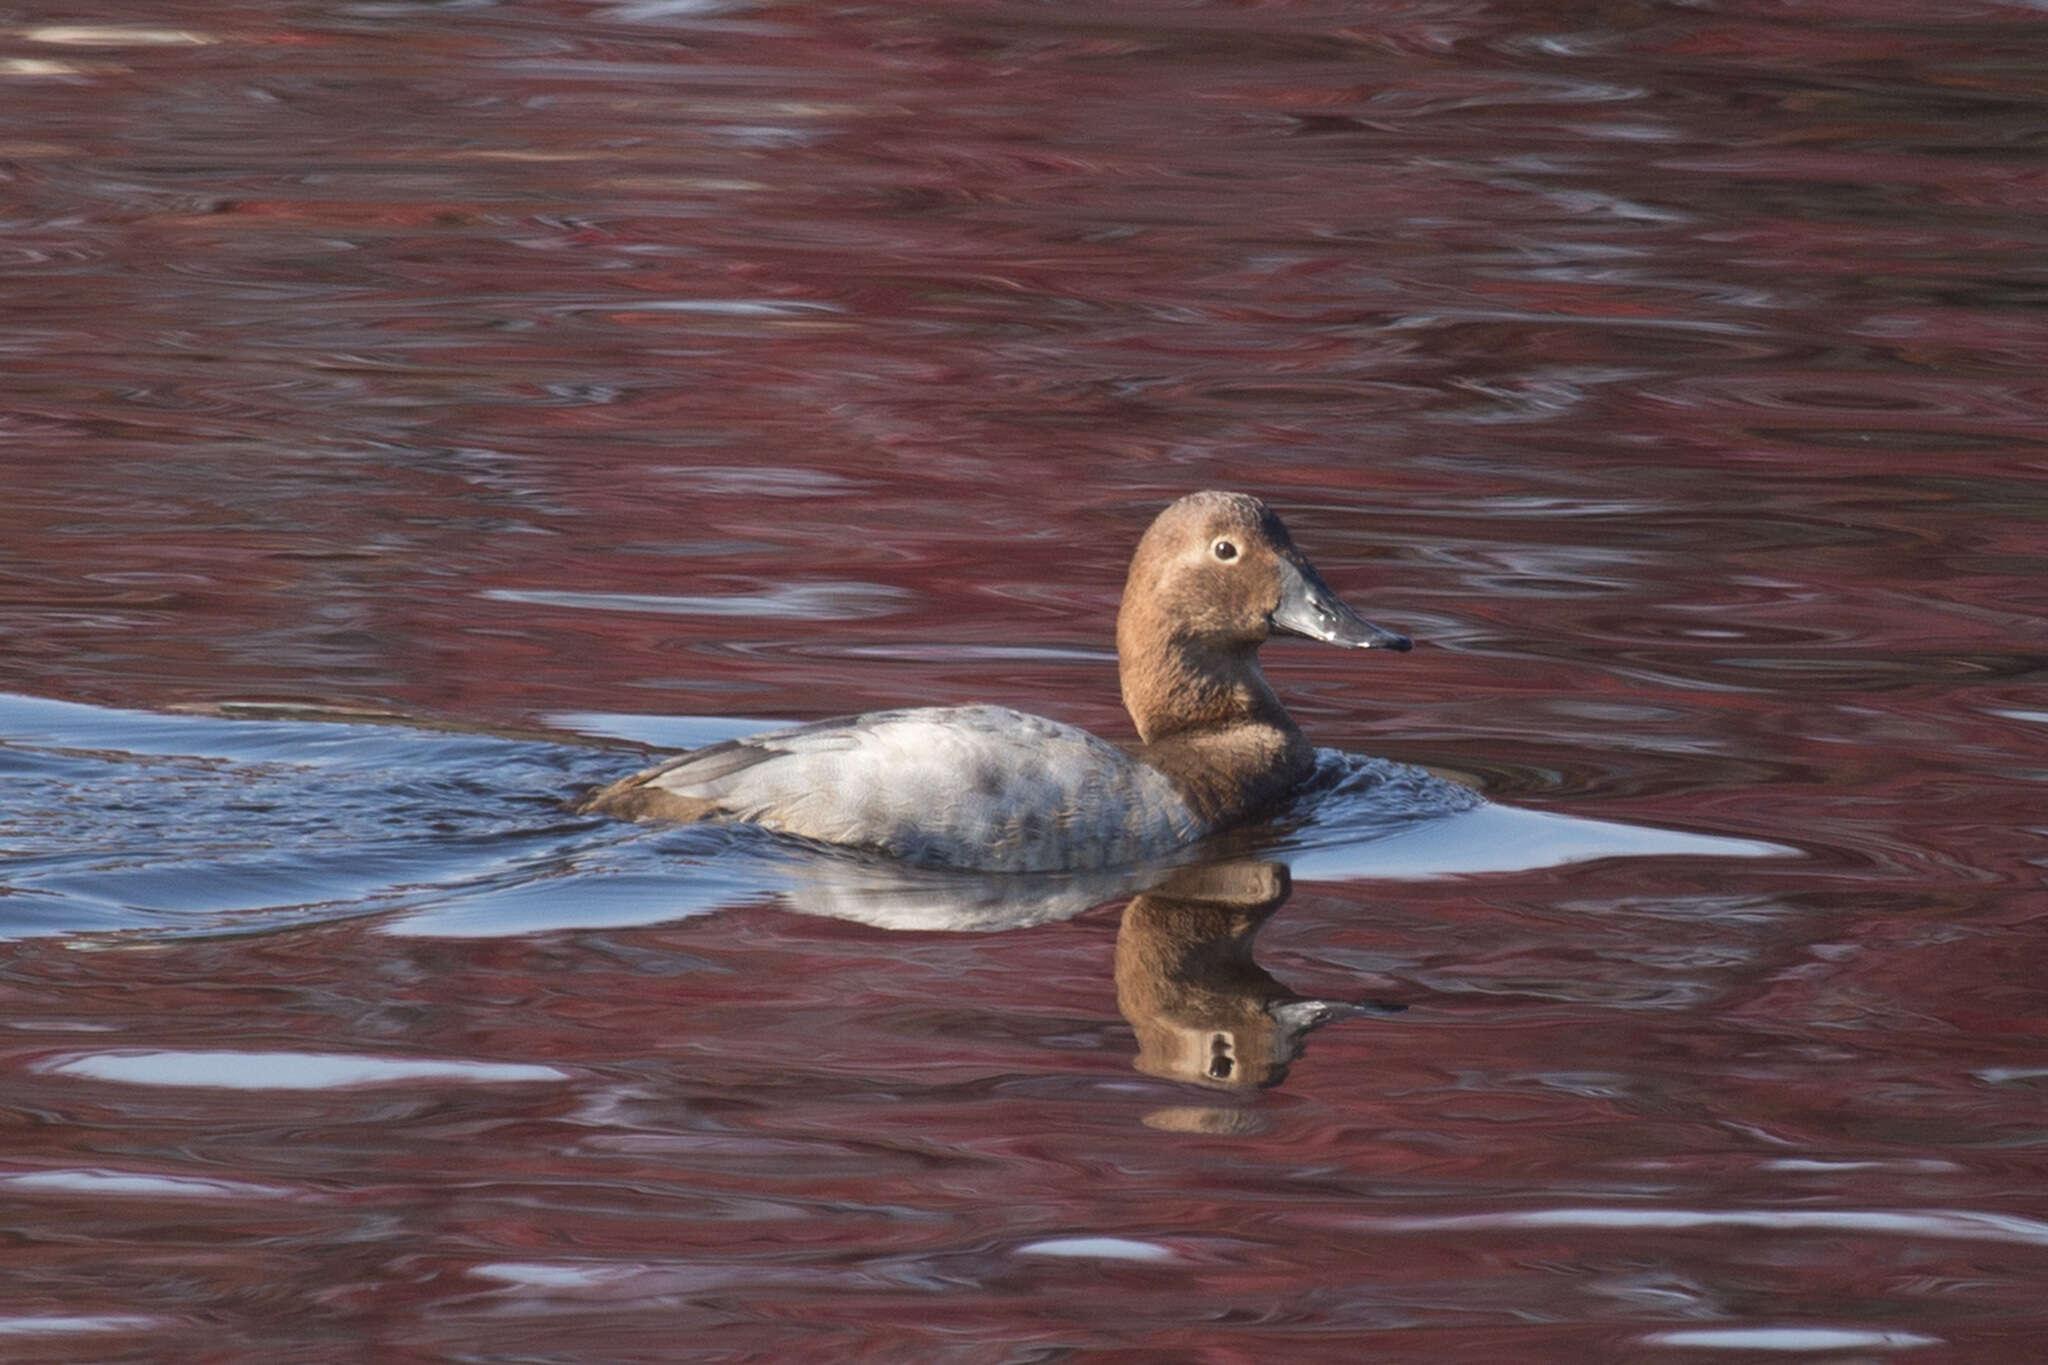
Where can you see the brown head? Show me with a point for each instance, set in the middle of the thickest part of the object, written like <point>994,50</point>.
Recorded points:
<point>1214,577</point>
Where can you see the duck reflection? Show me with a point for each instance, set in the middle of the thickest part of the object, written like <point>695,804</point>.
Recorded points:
<point>1203,1009</point>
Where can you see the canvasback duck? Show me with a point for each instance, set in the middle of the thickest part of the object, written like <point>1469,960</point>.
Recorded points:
<point>994,790</point>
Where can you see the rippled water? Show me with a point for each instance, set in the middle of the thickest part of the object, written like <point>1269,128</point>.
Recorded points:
<point>416,411</point>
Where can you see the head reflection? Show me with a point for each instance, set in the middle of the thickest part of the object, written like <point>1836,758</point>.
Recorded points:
<point>1203,1010</point>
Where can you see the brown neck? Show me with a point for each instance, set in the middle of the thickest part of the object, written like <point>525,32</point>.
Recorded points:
<point>1212,725</point>
<point>1178,687</point>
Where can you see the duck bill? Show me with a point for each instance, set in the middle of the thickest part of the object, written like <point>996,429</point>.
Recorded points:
<point>1308,607</point>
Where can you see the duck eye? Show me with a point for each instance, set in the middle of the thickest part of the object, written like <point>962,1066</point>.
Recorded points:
<point>1224,550</point>
<point>1221,1063</point>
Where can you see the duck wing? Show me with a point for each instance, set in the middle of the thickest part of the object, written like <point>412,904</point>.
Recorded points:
<point>980,787</point>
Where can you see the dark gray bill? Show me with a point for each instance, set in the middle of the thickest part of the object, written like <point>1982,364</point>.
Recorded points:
<point>1308,607</point>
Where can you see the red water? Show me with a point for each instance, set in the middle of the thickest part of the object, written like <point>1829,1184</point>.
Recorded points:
<point>1674,374</point>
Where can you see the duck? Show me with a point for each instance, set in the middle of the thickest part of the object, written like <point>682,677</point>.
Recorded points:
<point>985,788</point>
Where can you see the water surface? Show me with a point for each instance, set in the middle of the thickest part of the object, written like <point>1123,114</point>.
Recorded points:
<point>417,411</point>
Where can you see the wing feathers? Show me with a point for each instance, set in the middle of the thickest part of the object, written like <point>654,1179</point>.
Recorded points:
<point>976,786</point>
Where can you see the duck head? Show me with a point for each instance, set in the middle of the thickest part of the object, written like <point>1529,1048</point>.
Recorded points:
<point>1214,577</point>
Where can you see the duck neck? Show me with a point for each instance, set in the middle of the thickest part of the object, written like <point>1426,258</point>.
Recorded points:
<point>1183,688</point>
<point>1212,725</point>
